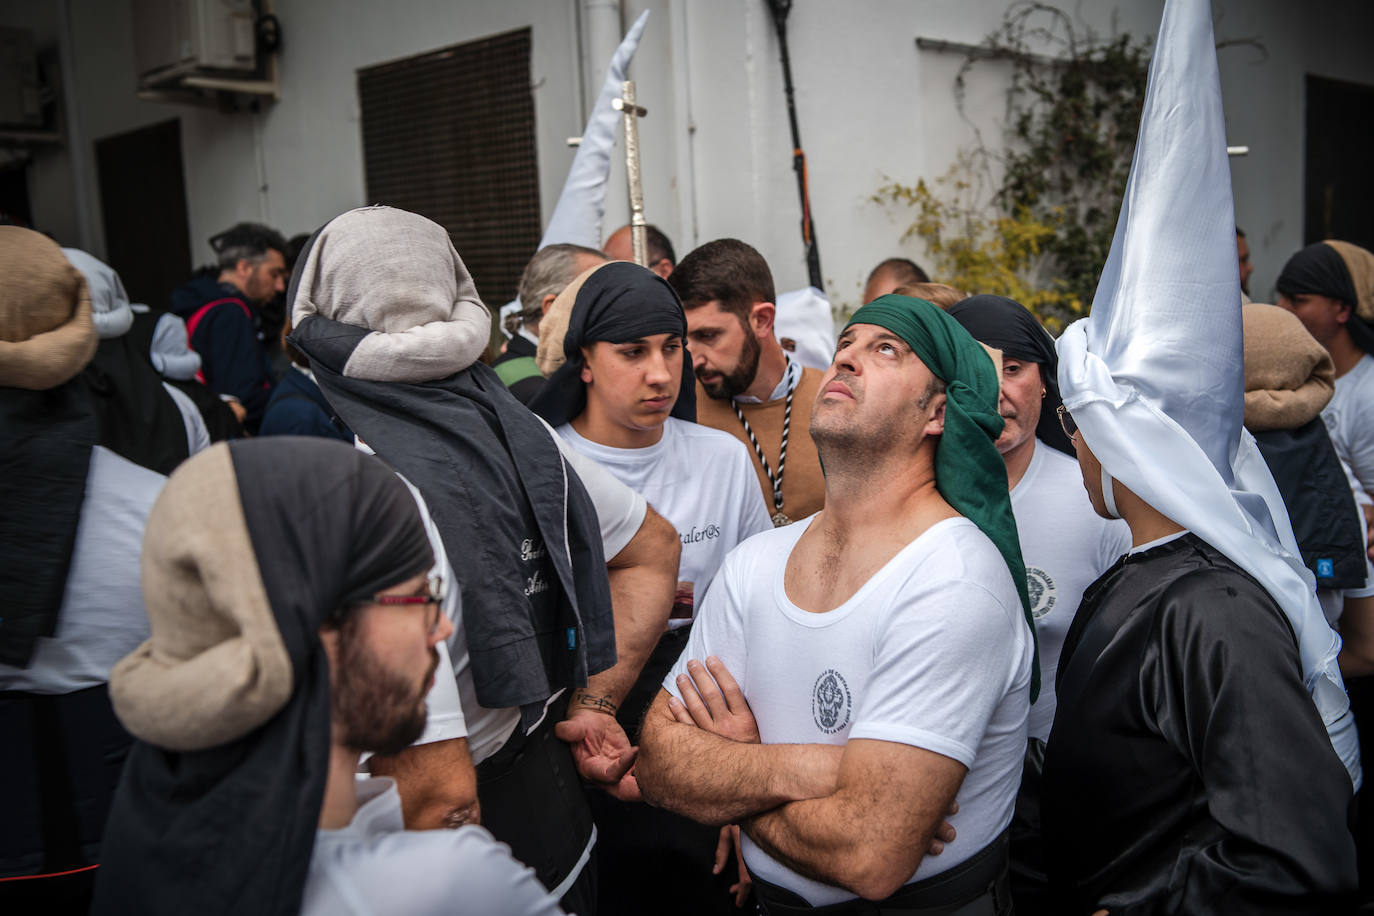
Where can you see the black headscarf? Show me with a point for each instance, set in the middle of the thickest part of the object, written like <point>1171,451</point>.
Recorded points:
<point>1320,270</point>
<point>619,302</point>
<point>230,829</point>
<point>1007,325</point>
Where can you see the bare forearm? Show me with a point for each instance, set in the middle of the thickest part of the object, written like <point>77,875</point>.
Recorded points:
<point>714,780</point>
<point>437,782</point>
<point>1357,637</point>
<point>643,579</point>
<point>870,835</point>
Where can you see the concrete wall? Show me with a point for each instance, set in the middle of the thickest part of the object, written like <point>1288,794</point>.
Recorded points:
<point>716,147</point>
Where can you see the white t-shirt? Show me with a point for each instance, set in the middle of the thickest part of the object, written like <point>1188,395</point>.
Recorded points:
<point>102,617</point>
<point>376,866</point>
<point>1066,545</point>
<point>932,651</point>
<point>1350,420</point>
<point>703,482</point>
<point>453,708</point>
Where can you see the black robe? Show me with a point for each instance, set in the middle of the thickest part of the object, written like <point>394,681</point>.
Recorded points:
<point>1188,770</point>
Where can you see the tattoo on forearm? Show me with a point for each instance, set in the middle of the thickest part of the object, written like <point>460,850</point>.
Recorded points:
<point>600,703</point>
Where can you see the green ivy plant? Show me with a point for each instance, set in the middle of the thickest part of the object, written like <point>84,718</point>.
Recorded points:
<point>1041,229</point>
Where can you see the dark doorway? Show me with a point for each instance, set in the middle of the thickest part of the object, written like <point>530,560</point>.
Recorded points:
<point>14,195</point>
<point>1340,185</point>
<point>450,134</point>
<point>143,198</point>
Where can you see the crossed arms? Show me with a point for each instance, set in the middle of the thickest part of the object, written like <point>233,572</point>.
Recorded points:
<point>438,781</point>
<point>861,816</point>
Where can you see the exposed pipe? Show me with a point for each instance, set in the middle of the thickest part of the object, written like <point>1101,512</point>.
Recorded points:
<point>91,239</point>
<point>686,131</point>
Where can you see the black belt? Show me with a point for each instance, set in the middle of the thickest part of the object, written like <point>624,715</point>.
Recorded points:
<point>976,887</point>
<point>532,800</point>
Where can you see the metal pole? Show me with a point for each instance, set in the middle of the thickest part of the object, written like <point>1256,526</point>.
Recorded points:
<point>637,224</point>
<point>779,10</point>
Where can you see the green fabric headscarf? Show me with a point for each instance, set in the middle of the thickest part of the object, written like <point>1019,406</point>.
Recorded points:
<point>969,472</point>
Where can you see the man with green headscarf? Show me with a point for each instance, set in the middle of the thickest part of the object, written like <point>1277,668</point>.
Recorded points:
<point>851,676</point>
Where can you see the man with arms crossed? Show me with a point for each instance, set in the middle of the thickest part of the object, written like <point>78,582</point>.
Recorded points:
<point>883,646</point>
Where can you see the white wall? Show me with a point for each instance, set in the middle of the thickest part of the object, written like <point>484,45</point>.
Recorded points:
<point>716,146</point>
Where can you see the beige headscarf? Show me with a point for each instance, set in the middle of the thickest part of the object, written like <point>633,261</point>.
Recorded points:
<point>46,332</point>
<point>1360,263</point>
<point>553,327</point>
<point>1289,377</point>
<point>398,275</point>
<point>215,667</point>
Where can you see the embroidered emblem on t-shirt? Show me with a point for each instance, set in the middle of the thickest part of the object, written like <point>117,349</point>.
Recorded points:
<point>1042,591</point>
<point>530,549</point>
<point>830,701</point>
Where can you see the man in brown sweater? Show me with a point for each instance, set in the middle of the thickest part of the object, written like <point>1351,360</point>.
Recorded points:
<point>747,385</point>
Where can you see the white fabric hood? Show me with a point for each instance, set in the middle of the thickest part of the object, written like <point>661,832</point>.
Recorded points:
<point>109,303</point>
<point>1154,376</point>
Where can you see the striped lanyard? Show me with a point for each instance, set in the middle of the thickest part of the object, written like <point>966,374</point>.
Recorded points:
<point>779,519</point>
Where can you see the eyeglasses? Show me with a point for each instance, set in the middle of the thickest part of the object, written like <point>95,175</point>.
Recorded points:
<point>1066,421</point>
<point>434,597</point>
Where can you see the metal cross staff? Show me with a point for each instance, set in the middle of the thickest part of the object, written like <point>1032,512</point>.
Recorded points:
<point>627,106</point>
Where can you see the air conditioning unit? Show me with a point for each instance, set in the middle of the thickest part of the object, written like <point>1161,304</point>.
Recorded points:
<point>174,39</point>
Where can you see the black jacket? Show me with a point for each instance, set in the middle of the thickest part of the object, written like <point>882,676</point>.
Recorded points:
<point>226,337</point>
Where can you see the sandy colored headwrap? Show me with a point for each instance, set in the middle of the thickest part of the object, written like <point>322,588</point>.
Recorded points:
<point>1360,263</point>
<point>215,668</point>
<point>553,327</point>
<point>396,274</point>
<point>1289,377</point>
<point>46,332</point>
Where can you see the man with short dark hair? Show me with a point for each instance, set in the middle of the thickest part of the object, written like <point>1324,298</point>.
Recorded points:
<point>890,274</point>
<point>223,319</point>
<point>620,247</point>
<point>851,676</point>
<point>747,382</point>
<point>547,274</point>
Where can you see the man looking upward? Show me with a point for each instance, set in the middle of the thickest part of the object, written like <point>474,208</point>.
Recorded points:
<point>881,651</point>
<point>748,384</point>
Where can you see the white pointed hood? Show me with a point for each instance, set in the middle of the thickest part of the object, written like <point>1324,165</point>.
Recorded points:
<point>1154,376</point>
<point>577,216</point>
